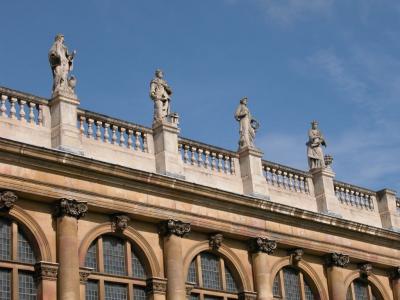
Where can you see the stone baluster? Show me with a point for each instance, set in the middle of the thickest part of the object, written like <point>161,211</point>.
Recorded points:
<point>137,140</point>
<point>114,129</point>
<point>22,110</point>
<point>32,107</point>
<point>193,155</point>
<point>40,115</point>
<point>226,164</point>
<point>122,136</point>
<point>130,136</point>
<point>68,212</point>
<point>274,177</point>
<point>107,132</point>
<point>213,160</point>
<point>99,125</point>
<point>233,169</point>
<point>145,143</point>
<point>220,166</point>
<point>335,262</point>
<point>13,111</point>
<point>200,157</point>
<point>90,128</point>
<point>82,121</point>
<point>186,153</point>
<point>172,232</point>
<point>3,107</point>
<point>207,159</point>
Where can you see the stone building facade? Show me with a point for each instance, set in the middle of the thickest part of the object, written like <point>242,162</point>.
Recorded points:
<point>93,207</point>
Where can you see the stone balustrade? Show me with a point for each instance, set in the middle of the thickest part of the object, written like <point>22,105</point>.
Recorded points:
<point>354,196</point>
<point>398,204</point>
<point>113,131</point>
<point>207,157</point>
<point>22,107</point>
<point>286,178</point>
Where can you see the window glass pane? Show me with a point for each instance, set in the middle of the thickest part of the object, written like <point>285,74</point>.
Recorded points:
<point>230,282</point>
<point>92,290</point>
<point>137,267</point>
<point>27,286</point>
<point>192,275</point>
<point>360,290</point>
<point>210,271</point>
<point>276,288</point>
<point>25,250</point>
<point>212,298</point>
<point>194,297</point>
<point>139,293</point>
<point>5,284</point>
<point>292,284</point>
<point>115,291</point>
<point>5,239</point>
<point>91,256</point>
<point>308,291</point>
<point>114,255</point>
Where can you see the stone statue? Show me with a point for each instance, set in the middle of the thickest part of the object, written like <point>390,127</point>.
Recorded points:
<point>160,93</point>
<point>247,125</point>
<point>314,147</point>
<point>61,63</point>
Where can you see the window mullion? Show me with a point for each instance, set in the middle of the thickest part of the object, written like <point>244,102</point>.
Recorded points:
<point>199,271</point>
<point>14,284</point>
<point>281,282</point>
<point>100,256</point>
<point>353,294</point>
<point>222,272</point>
<point>14,241</point>
<point>369,292</point>
<point>302,290</point>
<point>128,258</point>
<point>102,291</point>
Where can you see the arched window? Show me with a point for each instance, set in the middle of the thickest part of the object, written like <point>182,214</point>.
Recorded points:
<point>361,289</point>
<point>118,273</point>
<point>17,259</point>
<point>212,277</point>
<point>292,284</point>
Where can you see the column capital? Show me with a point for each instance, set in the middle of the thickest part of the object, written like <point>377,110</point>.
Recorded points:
<point>7,200</point>
<point>156,285</point>
<point>84,273</point>
<point>174,227</point>
<point>365,269</point>
<point>46,271</point>
<point>337,259</point>
<point>215,241</point>
<point>247,295</point>
<point>260,244</point>
<point>119,222</point>
<point>394,273</point>
<point>71,208</point>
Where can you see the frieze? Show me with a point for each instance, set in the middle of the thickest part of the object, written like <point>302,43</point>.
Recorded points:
<point>156,286</point>
<point>7,200</point>
<point>337,259</point>
<point>46,271</point>
<point>174,227</point>
<point>215,241</point>
<point>262,245</point>
<point>119,222</point>
<point>71,208</point>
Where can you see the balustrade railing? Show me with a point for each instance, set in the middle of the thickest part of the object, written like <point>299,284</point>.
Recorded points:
<point>286,178</point>
<point>354,196</point>
<point>113,131</point>
<point>206,156</point>
<point>23,107</point>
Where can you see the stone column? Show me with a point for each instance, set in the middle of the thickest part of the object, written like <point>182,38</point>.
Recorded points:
<point>395,277</point>
<point>260,249</point>
<point>173,231</point>
<point>335,262</point>
<point>324,190</point>
<point>388,209</point>
<point>46,276</point>
<point>165,138</point>
<point>156,288</point>
<point>254,182</point>
<point>67,213</point>
<point>64,131</point>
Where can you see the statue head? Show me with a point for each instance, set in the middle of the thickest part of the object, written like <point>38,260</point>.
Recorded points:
<point>159,73</point>
<point>243,101</point>
<point>59,37</point>
<point>314,124</point>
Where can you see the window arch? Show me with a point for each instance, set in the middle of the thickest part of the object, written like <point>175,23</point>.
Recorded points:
<point>292,284</point>
<point>17,260</point>
<point>362,289</point>
<point>118,271</point>
<point>212,277</point>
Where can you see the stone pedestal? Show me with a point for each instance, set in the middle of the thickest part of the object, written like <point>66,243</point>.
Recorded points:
<point>324,190</point>
<point>68,212</point>
<point>173,231</point>
<point>254,182</point>
<point>390,215</point>
<point>165,136</point>
<point>64,132</point>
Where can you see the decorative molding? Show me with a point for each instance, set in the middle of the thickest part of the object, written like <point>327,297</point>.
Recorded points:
<point>119,222</point>
<point>215,241</point>
<point>46,271</point>
<point>395,273</point>
<point>84,273</point>
<point>260,244</point>
<point>337,259</point>
<point>156,286</point>
<point>71,208</point>
<point>175,227</point>
<point>247,295</point>
<point>296,255</point>
<point>189,288</point>
<point>365,270</point>
<point>7,200</point>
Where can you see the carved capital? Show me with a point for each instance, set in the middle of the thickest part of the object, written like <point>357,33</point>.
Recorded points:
<point>262,245</point>
<point>175,227</point>
<point>247,295</point>
<point>7,200</point>
<point>337,259</point>
<point>395,273</point>
<point>46,271</point>
<point>189,288</point>
<point>84,273</point>
<point>365,270</point>
<point>119,222</point>
<point>215,241</point>
<point>156,286</point>
<point>71,208</point>
<point>296,255</point>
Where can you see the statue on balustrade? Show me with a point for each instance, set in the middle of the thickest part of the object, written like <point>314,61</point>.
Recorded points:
<point>314,147</point>
<point>247,125</point>
<point>160,93</point>
<point>61,63</point>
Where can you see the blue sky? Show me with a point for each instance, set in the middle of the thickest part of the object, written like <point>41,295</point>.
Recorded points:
<point>336,61</point>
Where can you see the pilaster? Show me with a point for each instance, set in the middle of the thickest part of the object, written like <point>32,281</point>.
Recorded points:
<point>156,288</point>
<point>46,274</point>
<point>335,262</point>
<point>395,277</point>
<point>388,210</point>
<point>84,273</point>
